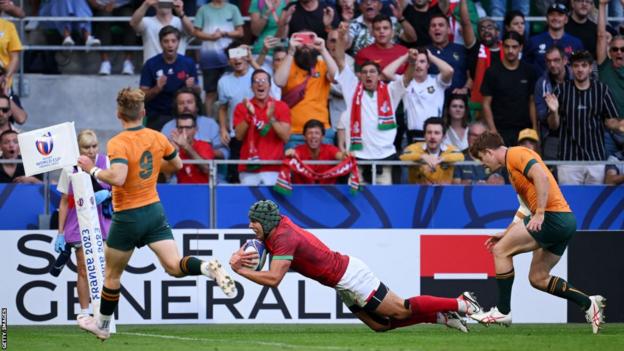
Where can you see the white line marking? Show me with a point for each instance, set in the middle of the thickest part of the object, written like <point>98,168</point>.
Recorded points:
<point>263,343</point>
<point>460,276</point>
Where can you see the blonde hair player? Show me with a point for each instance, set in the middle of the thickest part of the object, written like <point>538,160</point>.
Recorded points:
<point>137,155</point>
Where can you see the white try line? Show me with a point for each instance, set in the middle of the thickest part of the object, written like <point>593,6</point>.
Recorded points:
<point>262,343</point>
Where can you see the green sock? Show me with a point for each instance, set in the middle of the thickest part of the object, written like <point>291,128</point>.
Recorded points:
<point>190,265</point>
<point>504,281</point>
<point>559,287</point>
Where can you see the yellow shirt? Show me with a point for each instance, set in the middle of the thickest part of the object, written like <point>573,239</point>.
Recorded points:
<point>423,174</point>
<point>9,42</point>
<point>519,161</point>
<point>143,150</point>
<point>315,102</point>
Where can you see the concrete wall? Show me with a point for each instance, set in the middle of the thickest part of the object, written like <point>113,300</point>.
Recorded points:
<point>88,100</point>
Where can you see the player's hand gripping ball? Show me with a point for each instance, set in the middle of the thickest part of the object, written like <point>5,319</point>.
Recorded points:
<point>258,247</point>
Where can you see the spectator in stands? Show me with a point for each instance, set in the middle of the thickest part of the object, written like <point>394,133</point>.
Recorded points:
<point>149,27</point>
<point>436,158</point>
<point>69,233</point>
<point>368,127</point>
<point>264,16</point>
<point>610,60</point>
<point>453,54</point>
<point>383,50</point>
<point>9,8</point>
<point>336,42</point>
<point>557,72</point>
<point>580,26</point>
<point>10,48</point>
<point>514,21</point>
<point>476,174</point>
<point>614,174</point>
<point>315,149</point>
<point>13,172</point>
<point>104,30</point>
<point>190,148</point>
<point>361,28</point>
<point>305,86</point>
<point>556,19</point>
<point>346,10</point>
<point>70,8</point>
<point>507,90</point>
<point>163,75</point>
<point>487,52</point>
<point>424,96</point>
<point>581,109</point>
<point>498,8</point>
<point>217,24</point>
<point>232,88</point>
<point>456,117</point>
<point>15,113</point>
<point>188,102</point>
<point>307,15</point>
<point>419,14</point>
<point>529,139</point>
<point>262,124</point>
<point>277,48</point>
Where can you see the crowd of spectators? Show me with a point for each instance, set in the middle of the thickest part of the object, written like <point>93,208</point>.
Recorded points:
<point>374,79</point>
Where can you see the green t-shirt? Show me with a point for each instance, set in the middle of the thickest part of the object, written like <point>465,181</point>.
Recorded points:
<point>614,79</point>
<point>209,19</point>
<point>270,29</point>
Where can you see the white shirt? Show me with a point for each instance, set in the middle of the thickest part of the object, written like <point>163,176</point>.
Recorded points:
<point>459,141</point>
<point>377,144</point>
<point>424,100</point>
<point>149,28</point>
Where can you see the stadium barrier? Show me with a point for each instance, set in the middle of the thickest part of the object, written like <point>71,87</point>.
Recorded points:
<point>410,261</point>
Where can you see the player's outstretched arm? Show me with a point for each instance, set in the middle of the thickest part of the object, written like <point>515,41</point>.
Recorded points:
<point>272,277</point>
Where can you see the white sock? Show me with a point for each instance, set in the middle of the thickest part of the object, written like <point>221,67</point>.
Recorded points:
<point>462,306</point>
<point>84,311</point>
<point>104,321</point>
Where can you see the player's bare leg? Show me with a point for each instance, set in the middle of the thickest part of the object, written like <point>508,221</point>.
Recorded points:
<point>516,241</point>
<point>167,252</point>
<point>539,275</point>
<point>116,262</point>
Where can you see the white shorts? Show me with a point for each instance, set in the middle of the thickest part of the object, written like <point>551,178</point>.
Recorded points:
<point>260,178</point>
<point>358,284</point>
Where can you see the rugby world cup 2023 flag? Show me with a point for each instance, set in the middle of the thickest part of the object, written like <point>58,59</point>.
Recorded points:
<point>48,149</point>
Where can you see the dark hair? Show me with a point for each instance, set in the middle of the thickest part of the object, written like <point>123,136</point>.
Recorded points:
<point>487,140</point>
<point>371,63</point>
<point>556,48</point>
<point>380,18</point>
<point>514,36</point>
<point>233,45</point>
<point>187,90</point>
<point>258,71</point>
<point>279,49</point>
<point>166,30</point>
<point>433,121</point>
<point>510,15</point>
<point>447,108</point>
<point>438,15</point>
<point>7,132</point>
<point>314,123</point>
<point>186,116</point>
<point>583,55</point>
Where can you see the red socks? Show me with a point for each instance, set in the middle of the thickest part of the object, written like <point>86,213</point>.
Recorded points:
<point>426,304</point>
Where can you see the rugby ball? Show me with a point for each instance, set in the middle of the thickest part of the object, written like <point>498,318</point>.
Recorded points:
<point>257,246</point>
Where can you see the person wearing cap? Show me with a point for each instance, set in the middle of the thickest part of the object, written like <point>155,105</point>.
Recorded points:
<point>555,34</point>
<point>508,104</point>
<point>293,248</point>
<point>581,109</point>
<point>529,139</point>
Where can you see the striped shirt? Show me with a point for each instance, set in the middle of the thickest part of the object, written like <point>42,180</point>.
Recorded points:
<point>582,116</point>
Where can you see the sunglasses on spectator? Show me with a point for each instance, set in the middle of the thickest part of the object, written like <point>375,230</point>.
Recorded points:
<point>5,109</point>
<point>617,48</point>
<point>261,80</point>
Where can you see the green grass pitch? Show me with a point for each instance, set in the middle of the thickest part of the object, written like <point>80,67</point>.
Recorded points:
<point>354,337</point>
